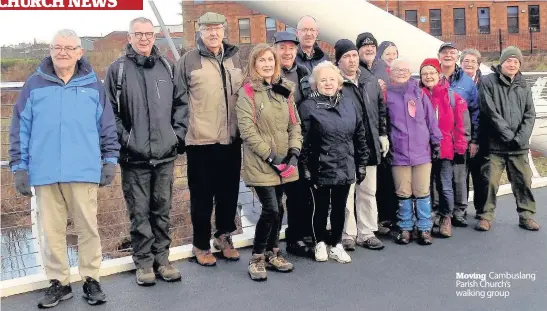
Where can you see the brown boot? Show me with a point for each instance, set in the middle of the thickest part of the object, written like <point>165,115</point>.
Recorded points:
<point>529,224</point>
<point>204,258</point>
<point>425,238</point>
<point>257,268</point>
<point>275,261</point>
<point>224,243</point>
<point>403,237</point>
<point>483,225</point>
<point>445,230</point>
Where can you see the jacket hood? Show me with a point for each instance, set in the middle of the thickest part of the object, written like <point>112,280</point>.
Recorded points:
<point>141,60</point>
<point>317,52</point>
<point>382,48</point>
<point>518,80</point>
<point>326,101</point>
<point>282,87</point>
<point>409,86</point>
<point>228,49</point>
<point>83,74</point>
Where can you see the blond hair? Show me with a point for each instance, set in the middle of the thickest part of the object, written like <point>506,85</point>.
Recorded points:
<point>251,74</point>
<point>324,65</point>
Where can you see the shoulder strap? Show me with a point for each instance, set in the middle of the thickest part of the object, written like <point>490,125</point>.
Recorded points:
<point>167,66</point>
<point>452,98</point>
<point>251,95</point>
<point>119,83</point>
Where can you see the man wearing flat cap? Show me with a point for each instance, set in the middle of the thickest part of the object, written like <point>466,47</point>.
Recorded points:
<point>207,79</point>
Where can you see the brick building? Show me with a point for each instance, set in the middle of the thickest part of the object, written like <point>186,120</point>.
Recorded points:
<point>468,23</point>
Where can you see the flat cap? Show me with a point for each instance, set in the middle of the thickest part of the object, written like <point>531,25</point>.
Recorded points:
<point>282,36</point>
<point>211,18</point>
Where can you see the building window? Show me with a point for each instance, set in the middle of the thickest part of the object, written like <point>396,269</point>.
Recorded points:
<point>290,29</point>
<point>533,18</point>
<point>244,30</point>
<point>270,29</point>
<point>411,17</point>
<point>513,19</point>
<point>484,20</point>
<point>459,21</point>
<point>435,23</point>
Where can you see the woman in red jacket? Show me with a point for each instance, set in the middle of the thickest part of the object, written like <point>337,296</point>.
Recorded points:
<point>449,110</point>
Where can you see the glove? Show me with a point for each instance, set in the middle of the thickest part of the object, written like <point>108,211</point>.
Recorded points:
<point>435,152</point>
<point>276,163</point>
<point>384,145</point>
<point>107,174</point>
<point>459,158</point>
<point>22,183</point>
<point>291,160</point>
<point>181,148</point>
<point>361,174</point>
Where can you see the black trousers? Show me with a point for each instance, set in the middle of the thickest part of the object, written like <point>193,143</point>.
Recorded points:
<point>147,191</point>
<point>213,177</point>
<point>299,210</point>
<point>271,217</point>
<point>385,192</point>
<point>480,188</point>
<point>335,197</point>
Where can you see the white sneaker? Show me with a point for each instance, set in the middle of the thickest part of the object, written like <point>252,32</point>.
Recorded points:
<point>321,252</point>
<point>339,254</point>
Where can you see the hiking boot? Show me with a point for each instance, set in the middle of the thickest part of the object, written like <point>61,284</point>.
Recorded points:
<point>459,221</point>
<point>403,237</point>
<point>55,293</point>
<point>257,268</point>
<point>384,227</point>
<point>300,248</point>
<point>93,292</point>
<point>483,225</point>
<point>146,277</point>
<point>169,273</point>
<point>321,252</point>
<point>224,244</point>
<point>445,230</point>
<point>529,224</point>
<point>425,238</point>
<point>339,254</point>
<point>371,243</point>
<point>204,258</point>
<point>274,261</point>
<point>349,244</point>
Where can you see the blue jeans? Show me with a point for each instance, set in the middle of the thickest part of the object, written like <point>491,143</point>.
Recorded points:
<point>406,214</point>
<point>443,192</point>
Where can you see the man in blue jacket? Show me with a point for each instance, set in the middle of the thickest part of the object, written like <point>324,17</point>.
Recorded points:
<point>462,84</point>
<point>63,142</point>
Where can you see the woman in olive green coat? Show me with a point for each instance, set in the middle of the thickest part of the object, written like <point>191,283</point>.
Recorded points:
<point>272,139</point>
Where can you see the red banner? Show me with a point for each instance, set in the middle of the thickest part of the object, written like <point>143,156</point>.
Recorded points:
<point>71,4</point>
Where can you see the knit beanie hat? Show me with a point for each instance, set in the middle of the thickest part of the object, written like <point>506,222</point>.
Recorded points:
<point>366,38</point>
<point>510,51</point>
<point>433,62</point>
<point>341,47</point>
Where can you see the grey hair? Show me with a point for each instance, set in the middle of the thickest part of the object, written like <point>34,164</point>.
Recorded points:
<point>324,65</point>
<point>473,52</point>
<point>398,61</point>
<point>142,20</point>
<point>67,33</point>
<point>306,16</point>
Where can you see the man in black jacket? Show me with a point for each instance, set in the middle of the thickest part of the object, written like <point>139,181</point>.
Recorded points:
<point>508,118</point>
<point>148,123</point>
<point>364,89</point>
<point>299,208</point>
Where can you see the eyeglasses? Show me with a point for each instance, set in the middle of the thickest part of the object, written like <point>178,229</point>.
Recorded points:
<point>306,30</point>
<point>401,70</point>
<point>59,49</point>
<point>138,35</point>
<point>467,61</point>
<point>449,52</point>
<point>211,29</point>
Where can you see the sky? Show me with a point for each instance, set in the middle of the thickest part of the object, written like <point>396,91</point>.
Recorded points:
<point>25,26</point>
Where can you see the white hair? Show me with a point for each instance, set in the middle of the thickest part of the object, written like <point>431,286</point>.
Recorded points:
<point>398,61</point>
<point>142,20</point>
<point>67,33</point>
<point>324,65</point>
<point>473,52</point>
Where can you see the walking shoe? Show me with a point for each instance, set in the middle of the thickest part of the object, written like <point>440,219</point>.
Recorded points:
<point>275,261</point>
<point>321,252</point>
<point>371,243</point>
<point>224,244</point>
<point>459,221</point>
<point>349,244</point>
<point>445,230</point>
<point>425,238</point>
<point>403,237</point>
<point>169,273</point>
<point>483,225</point>
<point>257,268</point>
<point>55,293</point>
<point>300,248</point>
<point>339,254</point>
<point>384,227</point>
<point>93,292</point>
<point>529,224</point>
<point>146,277</point>
<point>204,258</point>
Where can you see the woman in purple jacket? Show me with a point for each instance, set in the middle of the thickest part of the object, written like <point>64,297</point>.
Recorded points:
<point>415,140</point>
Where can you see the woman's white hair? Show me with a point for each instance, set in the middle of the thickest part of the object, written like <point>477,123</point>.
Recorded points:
<point>324,65</point>
<point>67,33</point>
<point>398,61</point>
<point>473,52</point>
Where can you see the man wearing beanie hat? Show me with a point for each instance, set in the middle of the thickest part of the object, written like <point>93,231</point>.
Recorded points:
<point>367,46</point>
<point>462,84</point>
<point>508,117</point>
<point>363,88</point>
